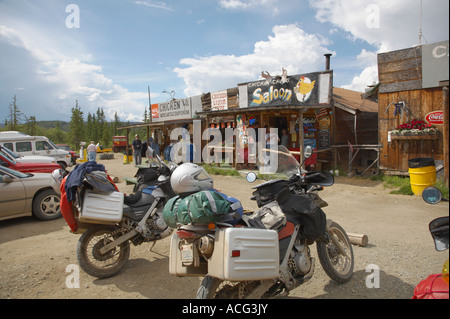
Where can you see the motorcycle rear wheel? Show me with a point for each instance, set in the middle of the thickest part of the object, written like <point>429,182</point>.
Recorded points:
<point>214,288</point>
<point>336,265</point>
<point>92,261</point>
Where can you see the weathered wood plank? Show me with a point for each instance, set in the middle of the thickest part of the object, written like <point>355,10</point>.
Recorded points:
<point>404,54</point>
<point>400,76</point>
<point>401,86</point>
<point>399,66</point>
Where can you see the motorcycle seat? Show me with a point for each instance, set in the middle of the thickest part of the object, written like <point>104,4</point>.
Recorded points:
<point>132,198</point>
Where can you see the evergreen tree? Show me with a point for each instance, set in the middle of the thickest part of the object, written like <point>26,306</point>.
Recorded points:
<point>57,135</point>
<point>100,125</point>
<point>76,132</point>
<point>117,123</point>
<point>30,126</point>
<point>89,127</point>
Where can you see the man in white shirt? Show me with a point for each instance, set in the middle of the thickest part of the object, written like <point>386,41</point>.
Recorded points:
<point>92,151</point>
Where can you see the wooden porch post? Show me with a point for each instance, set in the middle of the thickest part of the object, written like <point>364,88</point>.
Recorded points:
<point>445,132</point>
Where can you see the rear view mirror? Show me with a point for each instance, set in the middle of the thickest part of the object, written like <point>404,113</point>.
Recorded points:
<point>432,195</point>
<point>308,151</point>
<point>6,179</point>
<point>251,177</point>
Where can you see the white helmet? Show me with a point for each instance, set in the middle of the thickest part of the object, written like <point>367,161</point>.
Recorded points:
<point>190,178</point>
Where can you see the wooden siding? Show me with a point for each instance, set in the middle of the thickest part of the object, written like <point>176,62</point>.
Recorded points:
<point>400,70</point>
<point>395,155</point>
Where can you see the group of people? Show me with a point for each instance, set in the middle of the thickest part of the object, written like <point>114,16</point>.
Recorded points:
<point>271,138</point>
<point>138,147</point>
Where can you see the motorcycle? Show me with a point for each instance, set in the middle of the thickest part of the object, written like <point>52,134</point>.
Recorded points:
<point>436,285</point>
<point>110,221</point>
<point>267,253</point>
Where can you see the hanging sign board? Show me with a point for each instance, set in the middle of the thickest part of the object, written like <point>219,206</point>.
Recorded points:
<point>173,110</point>
<point>304,89</point>
<point>219,101</point>
<point>155,111</point>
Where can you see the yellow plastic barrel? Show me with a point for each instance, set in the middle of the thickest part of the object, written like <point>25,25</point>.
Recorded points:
<point>422,174</point>
<point>127,159</point>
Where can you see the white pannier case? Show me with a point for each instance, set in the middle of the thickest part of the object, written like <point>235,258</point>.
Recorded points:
<point>242,254</point>
<point>102,208</point>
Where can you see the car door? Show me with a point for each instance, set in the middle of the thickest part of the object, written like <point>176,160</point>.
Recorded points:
<point>12,196</point>
<point>44,148</point>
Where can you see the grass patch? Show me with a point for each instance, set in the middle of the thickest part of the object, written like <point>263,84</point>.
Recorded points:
<point>226,171</point>
<point>402,185</point>
<point>399,185</point>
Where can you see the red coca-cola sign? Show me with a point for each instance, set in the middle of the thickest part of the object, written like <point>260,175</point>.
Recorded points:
<point>436,117</point>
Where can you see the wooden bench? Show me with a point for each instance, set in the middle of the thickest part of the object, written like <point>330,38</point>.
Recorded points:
<point>130,180</point>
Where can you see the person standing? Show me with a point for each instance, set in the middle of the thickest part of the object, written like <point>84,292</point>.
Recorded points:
<point>92,151</point>
<point>271,137</point>
<point>137,146</point>
<point>285,138</point>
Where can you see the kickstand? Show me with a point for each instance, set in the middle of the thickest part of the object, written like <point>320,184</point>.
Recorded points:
<point>154,243</point>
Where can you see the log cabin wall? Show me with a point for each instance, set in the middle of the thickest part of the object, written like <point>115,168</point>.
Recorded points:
<point>400,75</point>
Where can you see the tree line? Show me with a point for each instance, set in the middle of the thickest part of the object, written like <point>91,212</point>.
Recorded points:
<point>93,127</point>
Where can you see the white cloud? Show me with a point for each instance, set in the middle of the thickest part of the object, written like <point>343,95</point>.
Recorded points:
<point>245,4</point>
<point>56,79</point>
<point>156,4</point>
<point>289,47</point>
<point>367,61</point>
<point>385,24</point>
<point>269,5</point>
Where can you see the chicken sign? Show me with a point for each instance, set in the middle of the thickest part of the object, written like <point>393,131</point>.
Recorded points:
<point>305,89</point>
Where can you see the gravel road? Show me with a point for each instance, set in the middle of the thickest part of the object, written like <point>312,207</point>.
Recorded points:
<point>37,259</point>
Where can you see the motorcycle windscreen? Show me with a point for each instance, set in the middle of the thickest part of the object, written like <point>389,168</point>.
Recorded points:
<point>439,229</point>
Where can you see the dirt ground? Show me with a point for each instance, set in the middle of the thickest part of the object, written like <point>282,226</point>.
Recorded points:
<point>37,258</point>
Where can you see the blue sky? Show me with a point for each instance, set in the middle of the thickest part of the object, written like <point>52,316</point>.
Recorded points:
<point>191,47</point>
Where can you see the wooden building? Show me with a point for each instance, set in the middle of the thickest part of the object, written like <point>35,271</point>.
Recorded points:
<point>355,135</point>
<point>413,86</point>
<point>284,102</point>
<point>337,123</point>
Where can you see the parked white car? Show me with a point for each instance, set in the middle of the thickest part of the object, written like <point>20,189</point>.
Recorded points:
<point>25,145</point>
<point>25,194</point>
<point>27,159</point>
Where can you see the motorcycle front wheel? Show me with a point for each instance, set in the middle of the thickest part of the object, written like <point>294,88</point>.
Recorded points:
<point>337,266</point>
<point>214,288</point>
<point>95,263</point>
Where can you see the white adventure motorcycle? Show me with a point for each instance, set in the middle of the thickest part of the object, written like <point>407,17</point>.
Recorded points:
<point>267,253</point>
<point>109,221</point>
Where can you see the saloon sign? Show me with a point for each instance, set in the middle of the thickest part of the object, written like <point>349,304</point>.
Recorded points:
<point>305,89</point>
<point>435,117</point>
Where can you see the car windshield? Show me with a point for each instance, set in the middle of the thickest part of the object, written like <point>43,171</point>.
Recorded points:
<point>52,144</point>
<point>14,172</point>
<point>7,156</point>
<point>9,152</point>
